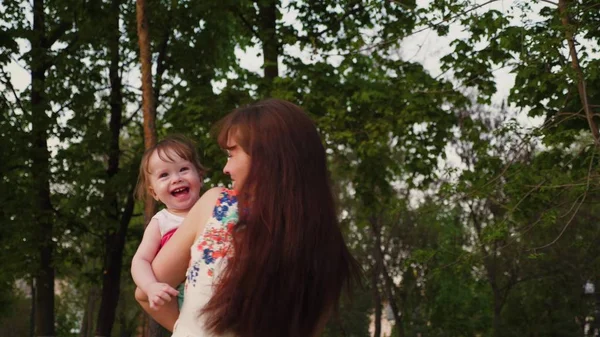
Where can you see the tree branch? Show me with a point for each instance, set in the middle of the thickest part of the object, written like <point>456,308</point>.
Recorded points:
<point>67,50</point>
<point>162,55</point>
<point>12,89</point>
<point>581,85</point>
<point>340,19</point>
<point>56,34</point>
<point>245,22</point>
<point>130,118</point>
<point>390,41</point>
<point>583,196</point>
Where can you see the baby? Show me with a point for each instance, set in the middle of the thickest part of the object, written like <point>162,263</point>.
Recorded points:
<point>170,172</point>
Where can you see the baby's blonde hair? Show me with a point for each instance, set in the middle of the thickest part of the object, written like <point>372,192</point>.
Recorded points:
<point>178,144</point>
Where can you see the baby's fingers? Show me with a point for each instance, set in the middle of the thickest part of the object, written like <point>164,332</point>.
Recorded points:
<point>163,295</point>
<point>172,291</point>
<point>156,302</point>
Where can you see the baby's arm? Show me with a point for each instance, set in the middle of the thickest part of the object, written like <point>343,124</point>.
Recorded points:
<point>141,268</point>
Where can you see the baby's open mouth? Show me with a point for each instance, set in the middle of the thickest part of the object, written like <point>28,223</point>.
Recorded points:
<point>180,191</point>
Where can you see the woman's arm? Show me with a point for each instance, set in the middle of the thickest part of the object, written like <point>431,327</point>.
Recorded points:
<point>166,315</point>
<point>171,262</point>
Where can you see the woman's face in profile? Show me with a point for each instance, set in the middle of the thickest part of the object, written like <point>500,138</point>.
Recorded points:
<point>238,164</point>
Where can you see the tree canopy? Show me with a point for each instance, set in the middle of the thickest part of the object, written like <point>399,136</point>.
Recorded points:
<point>466,221</point>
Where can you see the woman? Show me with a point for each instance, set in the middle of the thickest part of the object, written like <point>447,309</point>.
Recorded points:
<point>267,258</point>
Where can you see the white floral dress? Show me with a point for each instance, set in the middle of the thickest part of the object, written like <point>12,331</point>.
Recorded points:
<point>208,257</point>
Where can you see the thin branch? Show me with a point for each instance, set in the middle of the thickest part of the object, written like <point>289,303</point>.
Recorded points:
<point>130,118</point>
<point>510,240</point>
<point>547,124</point>
<point>583,196</point>
<point>558,186</point>
<point>399,3</point>
<point>58,33</point>
<point>536,187</point>
<point>133,87</point>
<point>590,7</point>
<point>19,64</point>
<point>162,55</point>
<point>65,51</point>
<point>390,41</point>
<point>421,47</point>
<point>338,21</point>
<point>12,89</point>
<point>70,102</point>
<point>461,85</point>
<point>246,22</point>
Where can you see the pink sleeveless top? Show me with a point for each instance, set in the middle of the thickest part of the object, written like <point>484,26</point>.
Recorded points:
<point>167,224</point>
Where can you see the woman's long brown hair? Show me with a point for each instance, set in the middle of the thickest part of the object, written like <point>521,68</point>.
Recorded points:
<point>290,262</point>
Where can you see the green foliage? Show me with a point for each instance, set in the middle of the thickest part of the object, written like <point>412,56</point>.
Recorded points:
<point>514,226</point>
<point>68,304</point>
<point>15,318</point>
<point>353,316</point>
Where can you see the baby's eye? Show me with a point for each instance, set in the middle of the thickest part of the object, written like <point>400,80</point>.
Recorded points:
<point>183,169</point>
<point>228,154</point>
<point>162,175</point>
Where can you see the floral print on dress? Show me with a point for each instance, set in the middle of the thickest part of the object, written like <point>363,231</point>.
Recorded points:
<point>215,242</point>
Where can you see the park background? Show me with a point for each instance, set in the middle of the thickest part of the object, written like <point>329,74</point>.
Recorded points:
<point>462,139</point>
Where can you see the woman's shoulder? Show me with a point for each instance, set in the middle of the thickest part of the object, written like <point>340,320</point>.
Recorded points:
<point>212,194</point>
<point>216,196</point>
<point>203,209</point>
<point>218,204</point>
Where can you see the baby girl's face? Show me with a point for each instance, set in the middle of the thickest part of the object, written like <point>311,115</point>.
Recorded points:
<point>176,183</point>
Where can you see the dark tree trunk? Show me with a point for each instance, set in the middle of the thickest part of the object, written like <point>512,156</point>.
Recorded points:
<point>268,34</point>
<point>111,281</point>
<point>43,213</point>
<point>497,321</point>
<point>114,237</point>
<point>87,323</point>
<point>388,282</point>
<point>376,272</point>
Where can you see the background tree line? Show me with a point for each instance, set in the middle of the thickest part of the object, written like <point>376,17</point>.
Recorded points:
<point>500,243</point>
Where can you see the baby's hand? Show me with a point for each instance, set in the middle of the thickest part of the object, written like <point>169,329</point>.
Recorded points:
<point>159,294</point>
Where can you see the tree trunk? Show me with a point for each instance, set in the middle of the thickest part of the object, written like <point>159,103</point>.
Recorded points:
<point>152,329</point>
<point>268,34</point>
<point>32,312</point>
<point>114,237</point>
<point>87,323</point>
<point>497,321</point>
<point>377,301</point>
<point>377,268</point>
<point>43,212</point>
<point>148,103</point>
<point>111,282</point>
<point>388,282</point>
<point>490,264</point>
